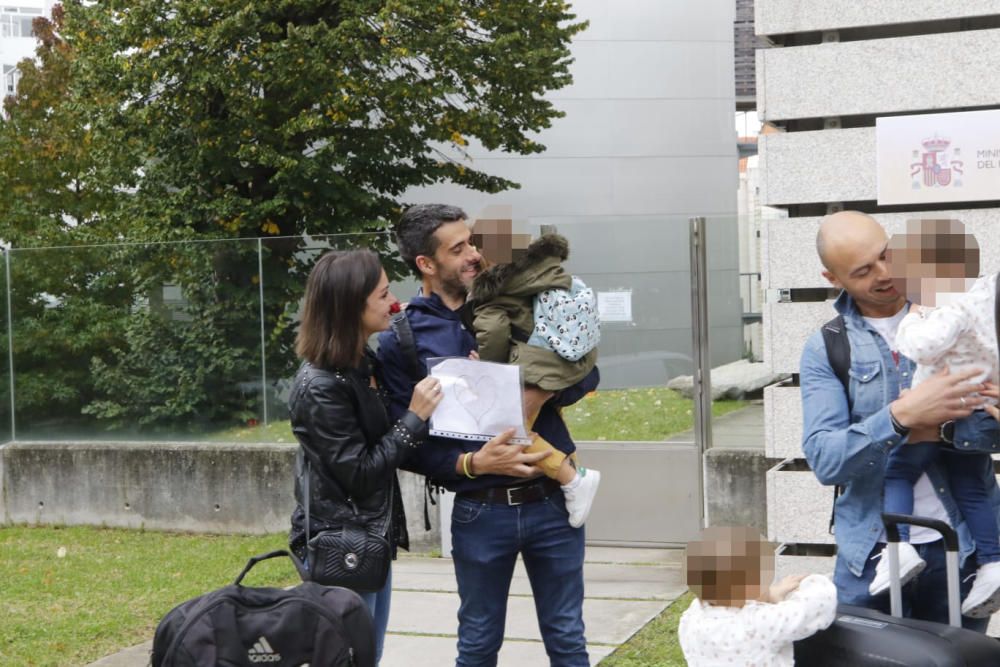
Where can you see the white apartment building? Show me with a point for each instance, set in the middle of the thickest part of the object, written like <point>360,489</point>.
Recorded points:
<point>17,41</point>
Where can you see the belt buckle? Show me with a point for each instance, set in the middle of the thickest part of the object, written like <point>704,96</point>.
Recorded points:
<point>510,497</point>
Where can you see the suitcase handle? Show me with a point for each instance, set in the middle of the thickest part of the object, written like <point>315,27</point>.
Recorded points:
<point>271,554</point>
<point>891,522</point>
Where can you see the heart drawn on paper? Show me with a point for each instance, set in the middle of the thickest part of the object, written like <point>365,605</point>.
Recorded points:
<point>476,397</point>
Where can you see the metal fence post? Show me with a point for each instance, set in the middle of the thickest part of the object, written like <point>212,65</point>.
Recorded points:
<point>10,344</point>
<point>263,334</point>
<point>700,355</point>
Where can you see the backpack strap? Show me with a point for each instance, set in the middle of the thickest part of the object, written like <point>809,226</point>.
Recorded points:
<point>838,353</point>
<point>400,325</point>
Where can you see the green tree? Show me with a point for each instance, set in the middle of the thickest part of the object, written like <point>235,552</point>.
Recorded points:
<point>225,119</point>
<point>67,308</point>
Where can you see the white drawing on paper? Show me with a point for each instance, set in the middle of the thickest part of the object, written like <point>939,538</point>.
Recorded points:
<point>477,396</point>
<point>481,399</point>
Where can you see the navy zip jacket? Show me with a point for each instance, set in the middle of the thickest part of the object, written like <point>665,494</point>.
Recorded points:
<point>439,331</point>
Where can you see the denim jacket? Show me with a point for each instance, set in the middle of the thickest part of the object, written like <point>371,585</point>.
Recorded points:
<point>849,446</point>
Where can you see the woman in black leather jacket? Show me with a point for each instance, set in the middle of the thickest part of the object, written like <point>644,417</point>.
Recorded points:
<point>338,413</point>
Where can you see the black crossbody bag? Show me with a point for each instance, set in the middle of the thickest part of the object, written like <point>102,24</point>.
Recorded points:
<point>356,554</point>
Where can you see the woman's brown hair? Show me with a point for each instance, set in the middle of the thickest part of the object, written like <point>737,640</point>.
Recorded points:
<point>336,296</point>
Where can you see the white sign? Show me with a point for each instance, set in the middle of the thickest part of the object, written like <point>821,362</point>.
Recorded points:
<point>940,157</point>
<point>615,306</point>
<point>481,399</point>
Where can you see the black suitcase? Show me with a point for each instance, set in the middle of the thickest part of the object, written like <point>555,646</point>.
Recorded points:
<point>238,626</point>
<point>862,637</point>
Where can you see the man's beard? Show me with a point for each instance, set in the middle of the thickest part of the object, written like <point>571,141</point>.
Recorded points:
<point>454,288</point>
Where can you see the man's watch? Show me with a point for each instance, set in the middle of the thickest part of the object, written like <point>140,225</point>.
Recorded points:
<point>947,432</point>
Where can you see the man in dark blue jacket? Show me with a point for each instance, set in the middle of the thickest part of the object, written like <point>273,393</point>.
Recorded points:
<point>503,505</point>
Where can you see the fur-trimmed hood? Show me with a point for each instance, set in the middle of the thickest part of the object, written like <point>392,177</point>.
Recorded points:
<point>540,268</point>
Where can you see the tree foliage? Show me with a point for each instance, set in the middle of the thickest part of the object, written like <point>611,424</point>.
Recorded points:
<point>149,120</point>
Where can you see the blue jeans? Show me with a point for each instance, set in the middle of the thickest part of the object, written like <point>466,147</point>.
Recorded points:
<point>378,604</point>
<point>906,464</point>
<point>925,597</point>
<point>486,539</point>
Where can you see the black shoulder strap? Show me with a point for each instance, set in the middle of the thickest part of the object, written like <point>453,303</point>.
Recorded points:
<point>838,350</point>
<point>400,325</point>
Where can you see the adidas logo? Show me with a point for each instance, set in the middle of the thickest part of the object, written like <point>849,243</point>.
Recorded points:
<point>262,652</point>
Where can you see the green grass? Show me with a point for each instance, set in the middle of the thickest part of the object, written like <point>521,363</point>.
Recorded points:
<point>656,644</point>
<point>618,414</point>
<point>636,414</point>
<point>111,587</point>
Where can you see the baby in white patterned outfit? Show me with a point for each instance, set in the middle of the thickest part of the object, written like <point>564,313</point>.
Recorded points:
<point>739,618</point>
<point>954,329</point>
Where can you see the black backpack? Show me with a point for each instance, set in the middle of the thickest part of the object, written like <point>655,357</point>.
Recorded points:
<point>838,353</point>
<point>234,626</point>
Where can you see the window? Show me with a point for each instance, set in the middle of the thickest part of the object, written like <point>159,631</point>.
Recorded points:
<point>11,76</point>
<point>16,21</point>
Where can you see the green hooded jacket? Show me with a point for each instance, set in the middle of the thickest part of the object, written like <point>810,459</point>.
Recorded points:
<point>503,298</point>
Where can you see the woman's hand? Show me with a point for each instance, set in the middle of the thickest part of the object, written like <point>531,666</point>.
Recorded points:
<point>426,396</point>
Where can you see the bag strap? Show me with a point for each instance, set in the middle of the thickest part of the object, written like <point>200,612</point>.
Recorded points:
<point>400,325</point>
<point>308,498</point>
<point>271,554</point>
<point>838,353</point>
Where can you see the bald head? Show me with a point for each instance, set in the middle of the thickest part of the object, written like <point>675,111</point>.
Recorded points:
<point>853,247</point>
<point>840,233</point>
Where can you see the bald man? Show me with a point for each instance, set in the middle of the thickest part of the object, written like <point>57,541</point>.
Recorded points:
<point>847,436</point>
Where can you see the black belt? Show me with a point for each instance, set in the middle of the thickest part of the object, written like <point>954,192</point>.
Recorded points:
<point>516,494</point>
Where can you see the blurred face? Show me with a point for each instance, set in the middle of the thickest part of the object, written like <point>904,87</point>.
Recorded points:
<point>857,263</point>
<point>729,565</point>
<point>378,308</point>
<point>497,242</point>
<point>455,263</point>
<point>933,257</point>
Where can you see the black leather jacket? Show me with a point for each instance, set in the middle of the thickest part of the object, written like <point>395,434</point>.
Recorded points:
<point>343,429</point>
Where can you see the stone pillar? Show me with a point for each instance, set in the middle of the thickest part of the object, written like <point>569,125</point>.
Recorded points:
<point>833,69</point>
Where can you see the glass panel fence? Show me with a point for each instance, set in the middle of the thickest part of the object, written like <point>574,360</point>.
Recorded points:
<point>137,341</point>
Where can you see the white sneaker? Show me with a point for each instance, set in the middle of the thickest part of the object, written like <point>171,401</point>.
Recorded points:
<point>910,565</point>
<point>984,598</point>
<point>580,495</point>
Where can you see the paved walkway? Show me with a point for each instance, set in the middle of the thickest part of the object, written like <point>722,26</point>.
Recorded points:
<point>625,589</point>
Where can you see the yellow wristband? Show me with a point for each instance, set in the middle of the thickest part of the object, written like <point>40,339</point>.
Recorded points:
<point>465,465</point>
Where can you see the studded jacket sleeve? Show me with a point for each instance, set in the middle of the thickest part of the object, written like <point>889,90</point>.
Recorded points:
<point>330,417</point>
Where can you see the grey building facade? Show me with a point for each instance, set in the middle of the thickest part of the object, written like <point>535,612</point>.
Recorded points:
<point>648,141</point>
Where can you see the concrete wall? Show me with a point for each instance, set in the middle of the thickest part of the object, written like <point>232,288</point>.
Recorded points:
<point>774,17</point>
<point>198,487</point>
<point>871,60</point>
<point>735,487</point>
<point>647,141</point>
<point>247,488</point>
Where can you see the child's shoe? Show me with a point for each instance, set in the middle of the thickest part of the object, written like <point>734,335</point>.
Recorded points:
<point>580,495</point>
<point>984,598</point>
<point>910,565</point>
